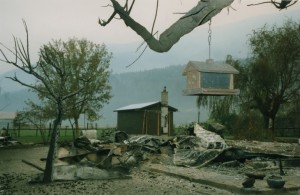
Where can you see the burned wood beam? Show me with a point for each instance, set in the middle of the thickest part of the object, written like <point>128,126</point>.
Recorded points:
<point>33,165</point>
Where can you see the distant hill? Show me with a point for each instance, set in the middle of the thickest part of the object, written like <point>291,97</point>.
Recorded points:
<point>129,88</point>
<point>146,86</point>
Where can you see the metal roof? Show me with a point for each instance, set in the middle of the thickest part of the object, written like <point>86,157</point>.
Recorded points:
<point>140,106</point>
<point>211,66</point>
<point>136,106</point>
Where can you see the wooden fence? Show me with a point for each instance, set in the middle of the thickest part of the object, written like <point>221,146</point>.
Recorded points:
<point>40,132</point>
<point>287,132</point>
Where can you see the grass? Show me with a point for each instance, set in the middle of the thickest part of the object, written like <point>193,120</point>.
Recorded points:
<point>34,136</point>
<point>26,136</point>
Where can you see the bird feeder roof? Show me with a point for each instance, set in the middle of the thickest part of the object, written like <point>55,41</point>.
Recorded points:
<point>209,66</point>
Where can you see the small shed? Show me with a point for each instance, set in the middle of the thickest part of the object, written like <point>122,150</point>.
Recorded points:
<point>209,78</point>
<point>146,118</point>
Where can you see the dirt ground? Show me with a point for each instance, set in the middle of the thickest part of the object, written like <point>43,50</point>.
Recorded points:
<point>15,175</point>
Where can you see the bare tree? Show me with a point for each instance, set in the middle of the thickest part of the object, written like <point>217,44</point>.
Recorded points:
<point>51,60</point>
<point>197,16</point>
<point>204,11</point>
<point>2,107</point>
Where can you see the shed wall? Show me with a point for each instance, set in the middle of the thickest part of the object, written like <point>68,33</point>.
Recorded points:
<point>143,121</point>
<point>130,121</point>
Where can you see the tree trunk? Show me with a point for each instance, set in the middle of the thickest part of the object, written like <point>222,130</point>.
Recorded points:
<point>48,173</point>
<point>266,122</point>
<point>77,130</point>
<point>272,124</point>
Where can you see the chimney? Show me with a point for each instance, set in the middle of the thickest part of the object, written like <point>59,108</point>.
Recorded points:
<point>164,97</point>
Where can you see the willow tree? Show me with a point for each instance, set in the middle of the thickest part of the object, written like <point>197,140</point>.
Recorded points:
<point>274,69</point>
<point>221,107</point>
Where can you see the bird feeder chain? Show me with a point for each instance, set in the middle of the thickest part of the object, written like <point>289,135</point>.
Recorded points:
<point>209,37</point>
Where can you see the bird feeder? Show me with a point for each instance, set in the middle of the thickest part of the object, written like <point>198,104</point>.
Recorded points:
<point>209,78</point>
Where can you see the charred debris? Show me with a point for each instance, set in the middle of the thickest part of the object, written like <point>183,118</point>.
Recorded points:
<point>90,158</point>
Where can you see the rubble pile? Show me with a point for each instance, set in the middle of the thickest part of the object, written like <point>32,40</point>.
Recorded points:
<point>107,159</point>
<point>90,158</point>
<point>208,139</point>
<point>198,150</point>
<point>7,141</point>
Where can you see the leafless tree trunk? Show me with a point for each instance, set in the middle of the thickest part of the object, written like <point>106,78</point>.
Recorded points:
<point>22,61</point>
<point>48,173</point>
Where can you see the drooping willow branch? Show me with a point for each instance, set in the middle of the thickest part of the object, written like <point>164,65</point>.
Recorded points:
<point>197,16</point>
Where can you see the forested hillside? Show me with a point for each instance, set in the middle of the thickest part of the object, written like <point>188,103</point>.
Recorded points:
<point>146,86</point>
<point>129,88</point>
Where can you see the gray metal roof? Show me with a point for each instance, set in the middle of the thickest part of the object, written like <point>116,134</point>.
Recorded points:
<point>136,106</point>
<point>140,106</point>
<point>211,66</point>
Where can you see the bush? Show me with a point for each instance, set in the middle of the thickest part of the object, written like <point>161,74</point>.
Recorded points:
<point>182,129</point>
<point>250,127</point>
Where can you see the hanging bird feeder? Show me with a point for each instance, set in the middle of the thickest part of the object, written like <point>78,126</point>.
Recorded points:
<point>209,78</point>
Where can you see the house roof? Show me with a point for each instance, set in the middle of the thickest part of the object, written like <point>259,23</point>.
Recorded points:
<point>209,66</point>
<point>142,106</point>
<point>7,115</point>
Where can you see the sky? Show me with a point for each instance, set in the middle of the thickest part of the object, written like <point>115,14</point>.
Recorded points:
<point>63,19</point>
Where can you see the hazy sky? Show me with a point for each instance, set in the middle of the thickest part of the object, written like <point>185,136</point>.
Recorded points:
<point>63,19</point>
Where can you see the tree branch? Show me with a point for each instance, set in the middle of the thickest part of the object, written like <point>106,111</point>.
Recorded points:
<point>21,54</point>
<point>15,78</point>
<point>152,29</point>
<point>282,5</point>
<point>104,23</point>
<point>198,15</point>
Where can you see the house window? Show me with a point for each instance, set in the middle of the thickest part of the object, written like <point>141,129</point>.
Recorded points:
<point>215,80</point>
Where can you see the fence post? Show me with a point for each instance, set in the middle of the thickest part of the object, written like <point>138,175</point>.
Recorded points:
<point>66,131</point>
<point>19,130</point>
<point>49,132</point>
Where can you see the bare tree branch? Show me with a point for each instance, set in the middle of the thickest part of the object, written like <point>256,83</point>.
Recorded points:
<point>21,54</point>
<point>138,57</point>
<point>104,23</point>
<point>152,29</point>
<point>15,78</point>
<point>131,6</point>
<point>198,15</point>
<point>282,5</point>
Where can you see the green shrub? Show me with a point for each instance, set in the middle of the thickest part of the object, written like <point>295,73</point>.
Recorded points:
<point>250,127</point>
